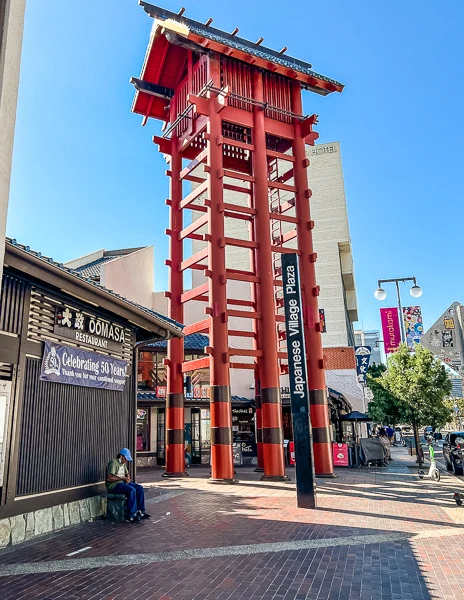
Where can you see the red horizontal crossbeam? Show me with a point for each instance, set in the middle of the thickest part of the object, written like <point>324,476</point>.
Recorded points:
<point>195,293</point>
<point>240,209</point>
<point>237,302</point>
<point>237,275</point>
<point>239,333</point>
<point>250,366</point>
<point>196,193</point>
<point>280,155</point>
<point>290,235</point>
<point>235,143</point>
<point>185,233</point>
<point>193,365</point>
<point>287,206</point>
<point>280,217</point>
<point>194,259</point>
<point>194,164</point>
<point>228,241</point>
<point>283,250</point>
<point>237,188</point>
<point>281,186</point>
<point>235,215</point>
<point>198,327</point>
<point>245,352</point>
<point>244,314</point>
<point>237,175</point>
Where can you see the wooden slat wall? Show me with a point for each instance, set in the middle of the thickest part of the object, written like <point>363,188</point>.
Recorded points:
<point>42,319</point>
<point>12,304</point>
<point>69,433</point>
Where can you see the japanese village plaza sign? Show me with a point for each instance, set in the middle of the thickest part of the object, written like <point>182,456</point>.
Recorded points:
<point>93,331</point>
<point>66,364</point>
<point>299,392</point>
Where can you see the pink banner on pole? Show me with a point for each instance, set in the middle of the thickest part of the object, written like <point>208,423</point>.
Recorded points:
<point>390,329</point>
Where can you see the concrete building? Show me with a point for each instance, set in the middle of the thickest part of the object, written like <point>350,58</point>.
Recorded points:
<point>130,272</point>
<point>11,38</point>
<point>372,339</point>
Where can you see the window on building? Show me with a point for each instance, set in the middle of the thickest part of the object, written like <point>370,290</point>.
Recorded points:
<point>151,371</point>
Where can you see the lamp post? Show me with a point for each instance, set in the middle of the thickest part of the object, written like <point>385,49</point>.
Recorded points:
<point>415,291</point>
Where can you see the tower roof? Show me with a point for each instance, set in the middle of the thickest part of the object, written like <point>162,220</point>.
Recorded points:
<point>173,34</point>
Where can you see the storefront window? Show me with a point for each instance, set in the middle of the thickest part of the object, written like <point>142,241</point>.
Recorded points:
<point>151,375</point>
<point>143,429</point>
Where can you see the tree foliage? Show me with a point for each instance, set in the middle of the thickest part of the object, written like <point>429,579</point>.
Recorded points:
<point>411,389</point>
<point>385,407</point>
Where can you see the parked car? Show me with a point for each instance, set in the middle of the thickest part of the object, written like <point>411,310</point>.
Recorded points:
<point>453,452</point>
<point>428,431</point>
<point>406,429</point>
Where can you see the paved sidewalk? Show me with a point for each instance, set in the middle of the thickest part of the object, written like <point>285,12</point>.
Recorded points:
<point>378,533</point>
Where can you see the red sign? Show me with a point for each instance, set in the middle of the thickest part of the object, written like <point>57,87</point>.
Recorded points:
<point>340,455</point>
<point>161,391</point>
<point>291,447</point>
<point>391,329</point>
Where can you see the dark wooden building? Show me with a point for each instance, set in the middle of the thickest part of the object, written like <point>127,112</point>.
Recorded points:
<point>64,414</point>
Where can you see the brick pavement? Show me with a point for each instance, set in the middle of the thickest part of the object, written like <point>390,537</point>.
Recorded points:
<point>378,533</point>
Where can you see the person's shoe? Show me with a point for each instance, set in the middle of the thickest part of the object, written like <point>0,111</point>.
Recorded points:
<point>143,515</point>
<point>135,519</point>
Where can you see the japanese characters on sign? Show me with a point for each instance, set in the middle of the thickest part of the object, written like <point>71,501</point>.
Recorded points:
<point>363,355</point>
<point>90,330</point>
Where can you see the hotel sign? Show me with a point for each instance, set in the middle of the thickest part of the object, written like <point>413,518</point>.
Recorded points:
<point>85,329</point>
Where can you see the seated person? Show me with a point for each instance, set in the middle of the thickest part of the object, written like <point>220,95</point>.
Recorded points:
<point>119,482</point>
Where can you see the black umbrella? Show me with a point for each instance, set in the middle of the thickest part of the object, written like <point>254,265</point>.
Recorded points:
<point>355,415</point>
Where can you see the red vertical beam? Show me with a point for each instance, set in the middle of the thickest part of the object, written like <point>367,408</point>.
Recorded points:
<point>175,461</point>
<point>271,406</point>
<point>323,458</point>
<point>254,298</point>
<point>222,464</point>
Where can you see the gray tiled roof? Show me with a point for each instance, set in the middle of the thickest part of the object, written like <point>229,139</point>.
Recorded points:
<point>79,276</point>
<point>92,269</point>
<point>193,341</point>
<point>233,41</point>
<point>153,396</point>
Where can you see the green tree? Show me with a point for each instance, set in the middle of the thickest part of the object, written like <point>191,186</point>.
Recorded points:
<point>385,407</point>
<point>456,406</point>
<point>420,382</point>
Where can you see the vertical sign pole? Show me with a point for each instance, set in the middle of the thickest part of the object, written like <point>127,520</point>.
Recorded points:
<point>299,393</point>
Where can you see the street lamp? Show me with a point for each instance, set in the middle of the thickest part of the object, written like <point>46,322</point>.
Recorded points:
<point>381,294</point>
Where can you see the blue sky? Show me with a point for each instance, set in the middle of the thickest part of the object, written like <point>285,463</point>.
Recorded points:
<point>87,176</point>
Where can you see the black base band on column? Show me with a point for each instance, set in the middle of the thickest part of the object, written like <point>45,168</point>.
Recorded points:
<point>321,435</point>
<point>221,435</point>
<point>273,435</point>
<point>270,396</point>
<point>259,435</point>
<point>258,402</point>
<point>175,401</point>
<point>175,436</point>
<point>259,470</point>
<point>327,476</point>
<point>318,397</point>
<point>220,393</point>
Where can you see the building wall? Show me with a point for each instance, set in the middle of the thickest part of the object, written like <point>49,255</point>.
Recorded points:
<point>11,37</point>
<point>132,276</point>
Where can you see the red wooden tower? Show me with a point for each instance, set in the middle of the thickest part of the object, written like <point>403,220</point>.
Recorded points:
<point>233,123</point>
